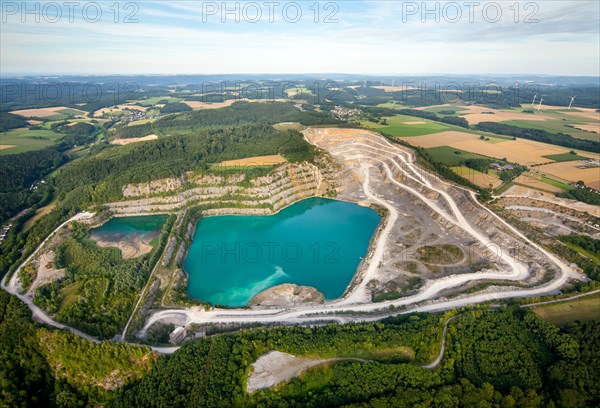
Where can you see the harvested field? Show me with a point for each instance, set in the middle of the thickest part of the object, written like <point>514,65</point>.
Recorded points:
<point>440,139</point>
<point>45,112</point>
<point>592,127</point>
<point>521,151</point>
<point>387,88</point>
<point>480,179</point>
<point>2,147</point>
<point>254,161</point>
<point>115,108</point>
<point>34,122</point>
<point>415,122</point>
<point>210,105</point>
<point>123,142</point>
<point>570,172</point>
<point>475,115</point>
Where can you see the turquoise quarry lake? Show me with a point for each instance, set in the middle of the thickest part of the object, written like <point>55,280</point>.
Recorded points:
<point>316,242</point>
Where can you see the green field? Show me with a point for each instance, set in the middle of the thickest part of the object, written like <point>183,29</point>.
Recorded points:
<point>391,105</point>
<point>438,109</point>
<point>556,126</point>
<point>25,140</point>
<point>565,157</point>
<point>397,128</point>
<point>448,156</point>
<point>555,183</point>
<point>157,99</point>
<point>560,313</point>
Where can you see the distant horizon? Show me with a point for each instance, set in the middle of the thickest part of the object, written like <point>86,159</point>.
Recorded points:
<point>375,75</point>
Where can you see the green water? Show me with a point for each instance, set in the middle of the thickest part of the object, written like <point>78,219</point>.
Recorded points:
<point>315,242</point>
<point>144,227</point>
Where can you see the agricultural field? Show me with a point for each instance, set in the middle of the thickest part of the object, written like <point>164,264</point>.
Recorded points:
<point>570,171</point>
<point>537,181</point>
<point>118,109</point>
<point>123,142</point>
<point>53,113</point>
<point>254,161</point>
<point>451,156</point>
<point>560,313</point>
<point>559,126</point>
<point>409,126</point>
<point>444,108</point>
<point>485,180</point>
<point>450,138</point>
<point>210,105</point>
<point>565,157</point>
<point>25,140</point>
<point>158,99</point>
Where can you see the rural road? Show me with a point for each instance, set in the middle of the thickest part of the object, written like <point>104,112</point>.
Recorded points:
<point>440,356</point>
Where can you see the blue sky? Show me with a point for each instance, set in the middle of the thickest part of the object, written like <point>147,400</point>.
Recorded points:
<point>370,37</point>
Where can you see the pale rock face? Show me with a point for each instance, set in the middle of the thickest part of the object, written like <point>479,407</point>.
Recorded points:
<point>286,295</point>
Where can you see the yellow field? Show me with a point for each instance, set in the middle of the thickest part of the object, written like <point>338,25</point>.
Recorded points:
<point>6,146</point>
<point>570,172</point>
<point>102,111</point>
<point>34,122</point>
<point>415,122</point>
<point>440,139</point>
<point>387,88</point>
<point>478,178</point>
<point>254,161</point>
<point>123,142</point>
<point>590,127</point>
<point>210,105</point>
<point>41,112</point>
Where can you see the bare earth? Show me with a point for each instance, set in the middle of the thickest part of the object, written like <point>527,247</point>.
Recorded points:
<point>276,367</point>
<point>2,147</point>
<point>46,273</point>
<point>521,191</point>
<point>129,249</point>
<point>254,161</point>
<point>123,142</point>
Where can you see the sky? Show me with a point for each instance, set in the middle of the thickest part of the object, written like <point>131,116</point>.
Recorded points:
<point>361,37</point>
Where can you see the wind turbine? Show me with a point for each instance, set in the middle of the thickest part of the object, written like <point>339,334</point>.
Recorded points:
<point>382,84</point>
<point>533,103</point>
<point>365,84</point>
<point>540,105</point>
<point>393,80</point>
<point>572,99</point>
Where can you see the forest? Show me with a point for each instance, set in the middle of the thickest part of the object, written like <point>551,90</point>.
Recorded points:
<point>504,357</point>
<point>100,287</point>
<point>17,174</point>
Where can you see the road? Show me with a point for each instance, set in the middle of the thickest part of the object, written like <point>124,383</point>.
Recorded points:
<point>378,152</point>
<point>373,153</point>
